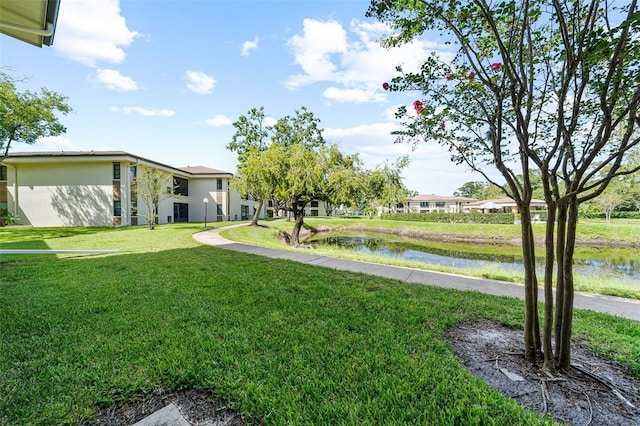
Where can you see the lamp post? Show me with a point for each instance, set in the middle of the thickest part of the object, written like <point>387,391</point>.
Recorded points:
<point>206,202</point>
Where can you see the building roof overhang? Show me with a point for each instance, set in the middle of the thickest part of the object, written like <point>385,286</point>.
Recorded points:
<point>16,158</point>
<point>31,21</point>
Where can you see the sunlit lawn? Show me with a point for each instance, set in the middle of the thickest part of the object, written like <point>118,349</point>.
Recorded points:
<point>279,341</point>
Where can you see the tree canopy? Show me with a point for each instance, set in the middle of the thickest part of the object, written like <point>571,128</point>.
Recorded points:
<point>28,116</point>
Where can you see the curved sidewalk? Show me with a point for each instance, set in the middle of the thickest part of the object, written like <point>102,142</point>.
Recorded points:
<point>627,308</point>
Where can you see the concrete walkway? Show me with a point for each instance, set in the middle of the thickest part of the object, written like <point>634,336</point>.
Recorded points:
<point>618,306</point>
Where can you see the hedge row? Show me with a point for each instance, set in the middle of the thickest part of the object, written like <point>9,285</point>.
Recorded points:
<point>493,218</point>
<point>589,214</point>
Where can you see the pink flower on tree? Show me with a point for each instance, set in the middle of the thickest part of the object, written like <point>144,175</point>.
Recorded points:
<point>471,76</point>
<point>449,77</point>
<point>385,86</point>
<point>496,66</point>
<point>419,106</point>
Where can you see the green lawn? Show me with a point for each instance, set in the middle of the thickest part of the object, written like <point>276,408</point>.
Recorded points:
<point>279,341</point>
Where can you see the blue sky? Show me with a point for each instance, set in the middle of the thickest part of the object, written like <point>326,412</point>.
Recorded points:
<point>165,79</point>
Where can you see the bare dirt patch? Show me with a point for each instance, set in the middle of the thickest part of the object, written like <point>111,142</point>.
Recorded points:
<point>196,406</point>
<point>594,392</point>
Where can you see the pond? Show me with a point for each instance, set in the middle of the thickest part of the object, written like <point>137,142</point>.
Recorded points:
<point>614,263</point>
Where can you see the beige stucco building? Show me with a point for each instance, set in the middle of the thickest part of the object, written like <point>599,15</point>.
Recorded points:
<point>97,188</point>
<point>431,203</point>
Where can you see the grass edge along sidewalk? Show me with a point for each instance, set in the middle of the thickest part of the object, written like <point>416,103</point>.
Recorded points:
<point>279,341</point>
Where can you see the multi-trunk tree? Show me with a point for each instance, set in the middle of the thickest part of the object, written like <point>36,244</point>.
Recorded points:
<point>543,85</point>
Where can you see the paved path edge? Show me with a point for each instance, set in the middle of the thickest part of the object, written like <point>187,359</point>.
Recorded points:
<point>618,306</point>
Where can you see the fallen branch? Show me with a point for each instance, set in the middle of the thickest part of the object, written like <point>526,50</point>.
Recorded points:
<point>605,383</point>
<point>590,410</point>
<point>545,395</point>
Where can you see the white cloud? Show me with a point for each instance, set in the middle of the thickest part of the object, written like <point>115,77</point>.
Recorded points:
<point>92,31</point>
<point>200,82</point>
<point>144,112</point>
<point>115,81</point>
<point>353,60</point>
<point>248,46</point>
<point>55,143</point>
<point>218,120</point>
<point>356,96</point>
<point>313,51</point>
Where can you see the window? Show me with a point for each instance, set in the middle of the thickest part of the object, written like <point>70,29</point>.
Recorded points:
<point>314,212</point>
<point>3,172</point>
<point>424,204</point>
<point>116,171</point>
<point>439,203</point>
<point>219,209</point>
<point>133,171</point>
<point>117,209</point>
<point>270,203</point>
<point>134,208</point>
<point>314,204</point>
<point>219,184</point>
<point>181,186</point>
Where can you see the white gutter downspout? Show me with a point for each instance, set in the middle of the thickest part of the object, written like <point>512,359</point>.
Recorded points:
<point>47,32</point>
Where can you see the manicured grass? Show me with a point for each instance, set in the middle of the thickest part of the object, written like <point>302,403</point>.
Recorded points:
<point>281,342</point>
<point>420,232</point>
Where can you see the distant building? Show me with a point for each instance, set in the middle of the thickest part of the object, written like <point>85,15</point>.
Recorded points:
<point>431,203</point>
<point>503,205</point>
<point>96,188</point>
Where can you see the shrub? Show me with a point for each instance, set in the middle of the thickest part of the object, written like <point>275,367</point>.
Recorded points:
<point>492,218</point>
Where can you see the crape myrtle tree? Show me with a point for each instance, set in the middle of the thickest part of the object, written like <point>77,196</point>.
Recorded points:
<point>152,185</point>
<point>28,116</point>
<point>540,84</point>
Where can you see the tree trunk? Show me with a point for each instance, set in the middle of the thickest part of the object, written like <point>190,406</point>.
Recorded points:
<point>561,238</point>
<point>256,215</point>
<point>549,362</point>
<point>532,325</point>
<point>297,226</point>
<point>564,350</point>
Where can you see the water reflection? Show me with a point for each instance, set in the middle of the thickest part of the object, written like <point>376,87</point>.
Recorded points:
<point>457,257</point>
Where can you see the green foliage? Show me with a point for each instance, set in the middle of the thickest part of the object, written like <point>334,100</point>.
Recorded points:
<point>153,185</point>
<point>7,218</point>
<point>494,218</point>
<point>27,116</point>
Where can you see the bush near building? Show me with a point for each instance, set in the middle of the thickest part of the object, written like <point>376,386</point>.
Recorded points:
<point>494,218</point>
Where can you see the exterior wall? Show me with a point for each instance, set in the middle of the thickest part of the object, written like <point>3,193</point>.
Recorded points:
<point>82,191</point>
<point>61,194</point>
<point>242,209</point>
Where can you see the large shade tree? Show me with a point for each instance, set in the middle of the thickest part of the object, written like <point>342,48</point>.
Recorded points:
<point>539,84</point>
<point>251,135</point>
<point>28,116</point>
